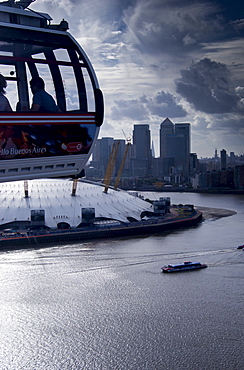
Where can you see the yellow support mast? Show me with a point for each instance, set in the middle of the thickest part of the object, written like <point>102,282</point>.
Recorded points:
<point>110,167</point>
<point>121,167</point>
<point>74,187</point>
<point>26,188</point>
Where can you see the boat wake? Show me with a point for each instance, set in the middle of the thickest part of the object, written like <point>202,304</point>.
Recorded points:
<point>122,261</point>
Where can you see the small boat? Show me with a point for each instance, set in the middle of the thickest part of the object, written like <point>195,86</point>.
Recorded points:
<point>240,246</point>
<point>186,266</point>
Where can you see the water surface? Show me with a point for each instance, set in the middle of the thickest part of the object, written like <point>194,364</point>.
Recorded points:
<point>106,304</point>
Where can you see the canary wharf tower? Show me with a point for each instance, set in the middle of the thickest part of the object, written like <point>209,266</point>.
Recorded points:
<point>142,163</point>
<point>166,128</point>
<point>175,147</point>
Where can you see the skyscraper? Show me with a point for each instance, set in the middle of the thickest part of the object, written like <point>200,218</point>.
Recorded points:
<point>101,152</point>
<point>166,128</point>
<point>175,148</point>
<point>141,164</point>
<point>184,130</point>
<point>142,141</point>
<point>223,161</point>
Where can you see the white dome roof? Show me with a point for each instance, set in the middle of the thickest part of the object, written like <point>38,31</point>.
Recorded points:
<point>54,197</point>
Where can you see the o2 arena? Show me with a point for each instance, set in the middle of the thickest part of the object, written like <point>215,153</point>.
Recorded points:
<point>65,204</point>
<point>54,210</point>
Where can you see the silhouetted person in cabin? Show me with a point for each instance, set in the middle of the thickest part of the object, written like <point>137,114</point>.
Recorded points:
<point>4,103</point>
<point>42,101</point>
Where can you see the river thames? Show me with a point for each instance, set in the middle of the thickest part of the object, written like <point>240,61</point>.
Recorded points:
<point>106,304</point>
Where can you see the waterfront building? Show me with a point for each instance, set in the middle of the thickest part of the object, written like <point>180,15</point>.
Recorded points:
<point>212,164</point>
<point>227,178</point>
<point>223,159</point>
<point>232,159</point>
<point>193,164</point>
<point>239,177</point>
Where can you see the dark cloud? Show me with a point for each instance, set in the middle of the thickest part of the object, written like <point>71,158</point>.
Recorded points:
<point>227,124</point>
<point>163,104</point>
<point>177,27</point>
<point>233,124</point>
<point>208,86</point>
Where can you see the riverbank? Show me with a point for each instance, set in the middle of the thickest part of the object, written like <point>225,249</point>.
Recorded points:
<point>214,213</point>
<point>187,190</point>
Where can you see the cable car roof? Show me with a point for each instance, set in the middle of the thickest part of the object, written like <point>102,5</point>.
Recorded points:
<point>19,14</point>
<point>17,10</point>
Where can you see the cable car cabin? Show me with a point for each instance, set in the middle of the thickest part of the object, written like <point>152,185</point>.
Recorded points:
<point>45,143</point>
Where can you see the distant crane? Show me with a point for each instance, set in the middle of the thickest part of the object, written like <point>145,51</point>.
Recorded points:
<point>110,167</point>
<point>127,138</point>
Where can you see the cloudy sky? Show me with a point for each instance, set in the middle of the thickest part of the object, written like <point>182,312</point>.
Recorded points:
<point>181,59</point>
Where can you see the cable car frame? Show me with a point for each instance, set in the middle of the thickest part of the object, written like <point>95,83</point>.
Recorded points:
<point>45,144</point>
